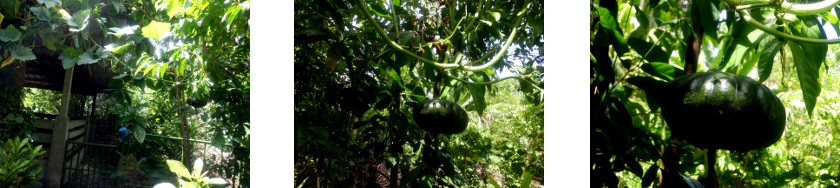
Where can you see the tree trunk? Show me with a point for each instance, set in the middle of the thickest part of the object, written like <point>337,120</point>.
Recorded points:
<point>185,132</point>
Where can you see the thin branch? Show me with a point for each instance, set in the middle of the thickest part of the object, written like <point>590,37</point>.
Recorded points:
<point>396,46</point>
<point>141,10</point>
<point>497,80</point>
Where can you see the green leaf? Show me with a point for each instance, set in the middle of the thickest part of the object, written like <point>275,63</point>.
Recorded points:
<point>808,58</point>
<point>178,168</point>
<point>190,185</point>
<point>156,30</point>
<point>69,57</point>
<point>765,61</point>
<point>749,64</point>
<point>50,40</point>
<point>118,6</point>
<point>86,58</point>
<point>182,67</point>
<point>41,13</point>
<point>745,37</point>
<point>10,34</point>
<point>426,182</point>
<point>493,181</point>
<point>830,18</point>
<point>102,53</point>
<point>231,14</point>
<point>198,166</point>
<point>379,10</point>
<point>119,32</point>
<point>216,181</point>
<point>663,70</point>
<point>635,167</point>
<point>139,133</point>
<point>526,180</point>
<point>23,53</point>
<point>118,49</point>
<point>496,15</point>
<point>708,16</point>
<point>653,89</point>
<point>607,20</point>
<point>50,3</point>
<point>79,20</point>
<point>650,175</point>
<point>396,77</point>
<point>175,6</point>
<point>477,92</point>
<point>651,53</point>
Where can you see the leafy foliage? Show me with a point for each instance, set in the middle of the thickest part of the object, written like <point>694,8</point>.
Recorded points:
<point>172,49</point>
<point>194,179</point>
<point>362,66</point>
<point>19,165</point>
<point>783,47</point>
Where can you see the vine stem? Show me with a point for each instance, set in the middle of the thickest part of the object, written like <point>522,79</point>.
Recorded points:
<point>746,16</point>
<point>497,80</point>
<point>623,77</point>
<point>362,6</point>
<point>808,9</point>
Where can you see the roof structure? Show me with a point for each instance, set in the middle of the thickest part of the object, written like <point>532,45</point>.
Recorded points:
<point>46,72</point>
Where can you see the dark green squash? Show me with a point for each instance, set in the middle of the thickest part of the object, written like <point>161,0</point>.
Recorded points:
<point>197,102</point>
<point>724,111</point>
<point>441,116</point>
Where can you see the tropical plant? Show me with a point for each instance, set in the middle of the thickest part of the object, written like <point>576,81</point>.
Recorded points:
<point>636,45</point>
<point>195,179</point>
<point>362,67</point>
<point>19,165</point>
<point>160,51</point>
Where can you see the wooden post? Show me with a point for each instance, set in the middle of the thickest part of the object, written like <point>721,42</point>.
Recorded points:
<point>59,135</point>
<point>89,129</point>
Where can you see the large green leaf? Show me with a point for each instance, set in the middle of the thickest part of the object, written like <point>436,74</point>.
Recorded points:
<point>751,60</point>
<point>765,61</point>
<point>477,92</point>
<point>808,59</point>
<point>178,168</point>
<point>10,34</point>
<point>708,16</point>
<point>650,175</point>
<point>78,21</point>
<point>118,49</point>
<point>69,57</point>
<point>663,70</point>
<point>651,53</point>
<point>140,133</point>
<point>745,36</point>
<point>156,30</point>
<point>526,180</point>
<point>653,89</point>
<point>86,58</point>
<point>41,13</point>
<point>23,53</point>
<point>50,3</point>
<point>610,25</point>
<point>379,10</point>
